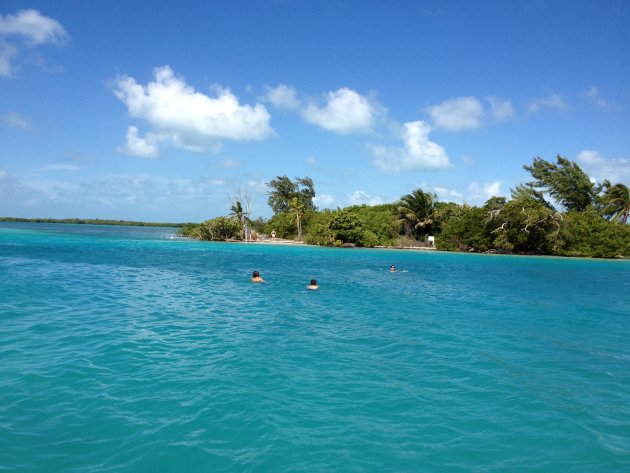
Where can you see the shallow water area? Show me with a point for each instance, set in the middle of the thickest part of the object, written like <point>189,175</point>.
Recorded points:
<point>128,349</point>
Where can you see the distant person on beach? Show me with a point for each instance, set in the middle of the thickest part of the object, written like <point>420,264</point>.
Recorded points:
<point>313,286</point>
<point>392,269</point>
<point>256,277</point>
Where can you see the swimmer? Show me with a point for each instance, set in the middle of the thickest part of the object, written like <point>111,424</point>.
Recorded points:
<point>256,277</point>
<point>392,269</point>
<point>313,286</point>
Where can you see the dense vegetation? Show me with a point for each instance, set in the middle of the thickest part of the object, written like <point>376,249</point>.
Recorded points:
<point>560,212</point>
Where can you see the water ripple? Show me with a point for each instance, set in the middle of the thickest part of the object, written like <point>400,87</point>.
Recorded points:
<point>131,351</point>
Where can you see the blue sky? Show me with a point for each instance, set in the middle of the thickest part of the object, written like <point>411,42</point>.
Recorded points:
<point>158,110</point>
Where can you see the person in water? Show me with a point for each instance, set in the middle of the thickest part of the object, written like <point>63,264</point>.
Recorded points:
<point>313,286</point>
<point>256,277</point>
<point>392,269</point>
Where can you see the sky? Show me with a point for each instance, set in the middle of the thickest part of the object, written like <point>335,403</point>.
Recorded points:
<point>162,111</point>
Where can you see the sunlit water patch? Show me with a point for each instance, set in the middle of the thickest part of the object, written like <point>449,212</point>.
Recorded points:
<point>123,349</point>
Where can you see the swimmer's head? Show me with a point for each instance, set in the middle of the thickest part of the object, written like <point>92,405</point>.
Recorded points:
<point>313,282</point>
<point>255,274</point>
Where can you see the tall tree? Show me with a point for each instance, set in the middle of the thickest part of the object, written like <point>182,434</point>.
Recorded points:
<point>415,212</point>
<point>296,207</point>
<point>524,225</point>
<point>564,181</point>
<point>239,211</point>
<point>236,211</point>
<point>283,189</point>
<point>615,202</point>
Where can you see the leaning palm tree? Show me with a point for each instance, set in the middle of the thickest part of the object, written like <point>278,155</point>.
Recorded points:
<point>415,212</point>
<point>616,202</point>
<point>236,211</point>
<point>297,208</point>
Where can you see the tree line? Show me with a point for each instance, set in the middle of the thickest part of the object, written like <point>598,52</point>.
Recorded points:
<point>561,211</point>
<point>92,221</point>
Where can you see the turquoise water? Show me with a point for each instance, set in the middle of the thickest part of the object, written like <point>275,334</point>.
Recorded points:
<point>124,349</point>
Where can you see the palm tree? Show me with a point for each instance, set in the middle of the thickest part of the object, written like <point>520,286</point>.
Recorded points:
<point>616,202</point>
<point>415,212</point>
<point>239,214</point>
<point>297,207</point>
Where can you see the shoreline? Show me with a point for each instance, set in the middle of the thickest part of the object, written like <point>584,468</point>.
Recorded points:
<point>285,242</point>
<point>281,241</point>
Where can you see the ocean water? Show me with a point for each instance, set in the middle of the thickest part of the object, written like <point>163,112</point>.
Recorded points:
<point>125,349</point>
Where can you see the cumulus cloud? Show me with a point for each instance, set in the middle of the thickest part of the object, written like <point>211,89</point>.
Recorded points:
<point>554,101</point>
<point>27,27</point>
<point>360,197</point>
<point>501,109</point>
<point>593,95</point>
<point>15,120</point>
<point>345,112</point>
<point>33,27</point>
<point>417,153</point>
<point>600,168</point>
<point>324,201</point>
<point>283,97</point>
<point>137,146</point>
<point>188,119</point>
<point>481,193</point>
<point>463,113</point>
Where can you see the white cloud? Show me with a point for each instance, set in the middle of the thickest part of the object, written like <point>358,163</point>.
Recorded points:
<point>360,197</point>
<point>600,168</point>
<point>418,153</point>
<point>479,194</point>
<point>593,95</point>
<point>447,195</point>
<point>591,157</point>
<point>501,109</point>
<point>188,119</point>
<point>33,27</point>
<point>324,201</point>
<point>311,161</point>
<point>30,27</point>
<point>463,113</point>
<point>153,198</point>
<point>282,97</point>
<point>15,120</point>
<point>138,146</point>
<point>258,186</point>
<point>554,101</point>
<point>7,52</point>
<point>345,112</point>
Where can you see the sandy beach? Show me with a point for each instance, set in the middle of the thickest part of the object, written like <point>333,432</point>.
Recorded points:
<point>280,241</point>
